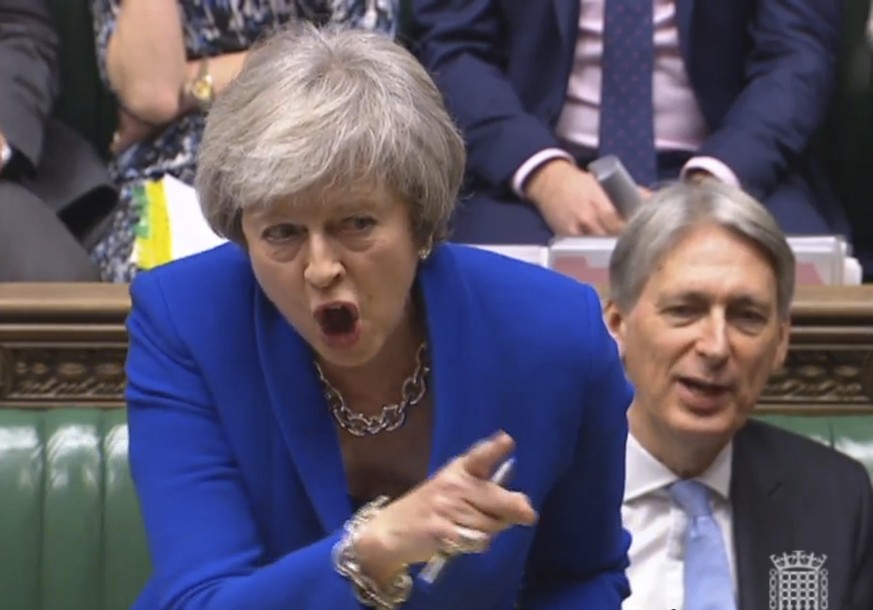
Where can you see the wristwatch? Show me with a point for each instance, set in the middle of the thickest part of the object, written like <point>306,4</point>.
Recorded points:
<point>201,88</point>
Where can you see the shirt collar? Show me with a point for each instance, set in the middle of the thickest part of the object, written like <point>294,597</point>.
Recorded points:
<point>645,474</point>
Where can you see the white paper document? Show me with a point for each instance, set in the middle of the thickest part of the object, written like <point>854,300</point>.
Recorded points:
<point>172,224</point>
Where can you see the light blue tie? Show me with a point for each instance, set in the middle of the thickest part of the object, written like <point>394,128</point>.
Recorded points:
<point>707,577</point>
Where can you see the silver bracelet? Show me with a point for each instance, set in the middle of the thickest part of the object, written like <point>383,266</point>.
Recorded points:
<point>345,561</point>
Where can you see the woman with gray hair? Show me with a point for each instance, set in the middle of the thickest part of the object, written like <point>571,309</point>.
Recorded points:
<point>166,61</point>
<point>336,399</point>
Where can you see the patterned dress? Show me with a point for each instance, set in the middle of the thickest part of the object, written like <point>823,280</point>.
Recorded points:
<point>212,27</point>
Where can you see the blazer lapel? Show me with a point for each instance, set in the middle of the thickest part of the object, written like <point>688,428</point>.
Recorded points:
<point>761,515</point>
<point>467,407</point>
<point>301,413</point>
<point>567,15</point>
<point>460,400</point>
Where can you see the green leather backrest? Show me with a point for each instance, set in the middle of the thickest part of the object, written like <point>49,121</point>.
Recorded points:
<point>70,529</point>
<point>71,536</point>
<point>850,434</point>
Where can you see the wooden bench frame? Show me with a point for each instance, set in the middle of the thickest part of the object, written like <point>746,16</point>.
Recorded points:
<point>65,344</point>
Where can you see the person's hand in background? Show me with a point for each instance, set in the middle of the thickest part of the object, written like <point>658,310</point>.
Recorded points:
<point>699,175</point>
<point>571,200</point>
<point>129,131</point>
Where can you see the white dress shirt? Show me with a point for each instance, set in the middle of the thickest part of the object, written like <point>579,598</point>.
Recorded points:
<point>678,121</point>
<point>657,527</point>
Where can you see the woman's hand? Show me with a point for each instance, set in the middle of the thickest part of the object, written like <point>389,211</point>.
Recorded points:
<point>457,504</point>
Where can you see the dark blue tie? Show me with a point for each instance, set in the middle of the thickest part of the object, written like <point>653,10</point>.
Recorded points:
<point>626,114</point>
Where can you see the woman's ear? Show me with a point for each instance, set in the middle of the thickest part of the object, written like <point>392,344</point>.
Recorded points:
<point>426,248</point>
<point>614,319</point>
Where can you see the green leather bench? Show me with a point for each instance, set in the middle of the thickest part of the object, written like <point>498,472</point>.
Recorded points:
<point>71,537</point>
<point>849,434</point>
<point>70,528</point>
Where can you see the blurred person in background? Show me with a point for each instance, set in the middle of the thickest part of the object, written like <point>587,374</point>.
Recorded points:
<point>166,61</point>
<point>54,188</point>
<point>733,91</point>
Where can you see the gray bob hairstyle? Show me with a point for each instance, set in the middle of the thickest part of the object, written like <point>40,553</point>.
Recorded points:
<point>672,214</point>
<point>318,109</point>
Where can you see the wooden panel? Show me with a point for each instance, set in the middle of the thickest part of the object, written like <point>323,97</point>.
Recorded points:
<point>64,344</point>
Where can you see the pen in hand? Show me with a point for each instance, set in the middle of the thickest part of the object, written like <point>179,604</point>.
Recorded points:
<point>431,571</point>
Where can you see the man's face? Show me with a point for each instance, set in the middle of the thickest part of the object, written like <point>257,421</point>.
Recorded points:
<point>701,341</point>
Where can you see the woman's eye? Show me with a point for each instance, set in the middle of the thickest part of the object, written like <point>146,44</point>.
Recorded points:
<point>281,232</point>
<point>359,223</point>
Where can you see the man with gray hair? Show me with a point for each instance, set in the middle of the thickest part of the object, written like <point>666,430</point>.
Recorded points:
<point>725,512</point>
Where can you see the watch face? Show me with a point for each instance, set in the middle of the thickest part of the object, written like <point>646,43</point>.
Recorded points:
<point>201,89</point>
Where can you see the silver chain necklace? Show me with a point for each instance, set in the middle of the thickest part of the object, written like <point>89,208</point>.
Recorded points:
<point>392,416</point>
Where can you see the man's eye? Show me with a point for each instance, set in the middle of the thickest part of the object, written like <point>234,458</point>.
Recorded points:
<point>681,311</point>
<point>751,318</point>
<point>281,232</point>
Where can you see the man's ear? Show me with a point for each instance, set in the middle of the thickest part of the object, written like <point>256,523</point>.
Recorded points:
<point>782,350</point>
<point>615,323</point>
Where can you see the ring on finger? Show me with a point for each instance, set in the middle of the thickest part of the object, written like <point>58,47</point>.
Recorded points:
<point>466,540</point>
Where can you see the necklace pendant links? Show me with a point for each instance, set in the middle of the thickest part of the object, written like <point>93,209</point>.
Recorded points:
<point>391,417</point>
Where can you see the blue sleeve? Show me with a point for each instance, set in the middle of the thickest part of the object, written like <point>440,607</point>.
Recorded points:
<point>791,68</point>
<point>463,44</point>
<point>580,551</point>
<point>205,547</point>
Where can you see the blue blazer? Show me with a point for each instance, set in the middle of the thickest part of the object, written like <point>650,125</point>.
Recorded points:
<point>237,464</point>
<point>762,70</point>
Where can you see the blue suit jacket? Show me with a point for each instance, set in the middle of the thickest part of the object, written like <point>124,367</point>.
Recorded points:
<point>762,71</point>
<point>237,464</point>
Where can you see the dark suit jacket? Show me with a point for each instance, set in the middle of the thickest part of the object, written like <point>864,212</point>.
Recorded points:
<point>51,160</point>
<point>762,71</point>
<point>236,462</point>
<point>791,494</point>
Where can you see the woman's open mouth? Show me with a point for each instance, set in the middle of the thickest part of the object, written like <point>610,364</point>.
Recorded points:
<point>339,323</point>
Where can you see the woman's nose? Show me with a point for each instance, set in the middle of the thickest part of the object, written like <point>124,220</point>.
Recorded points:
<point>323,265</point>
